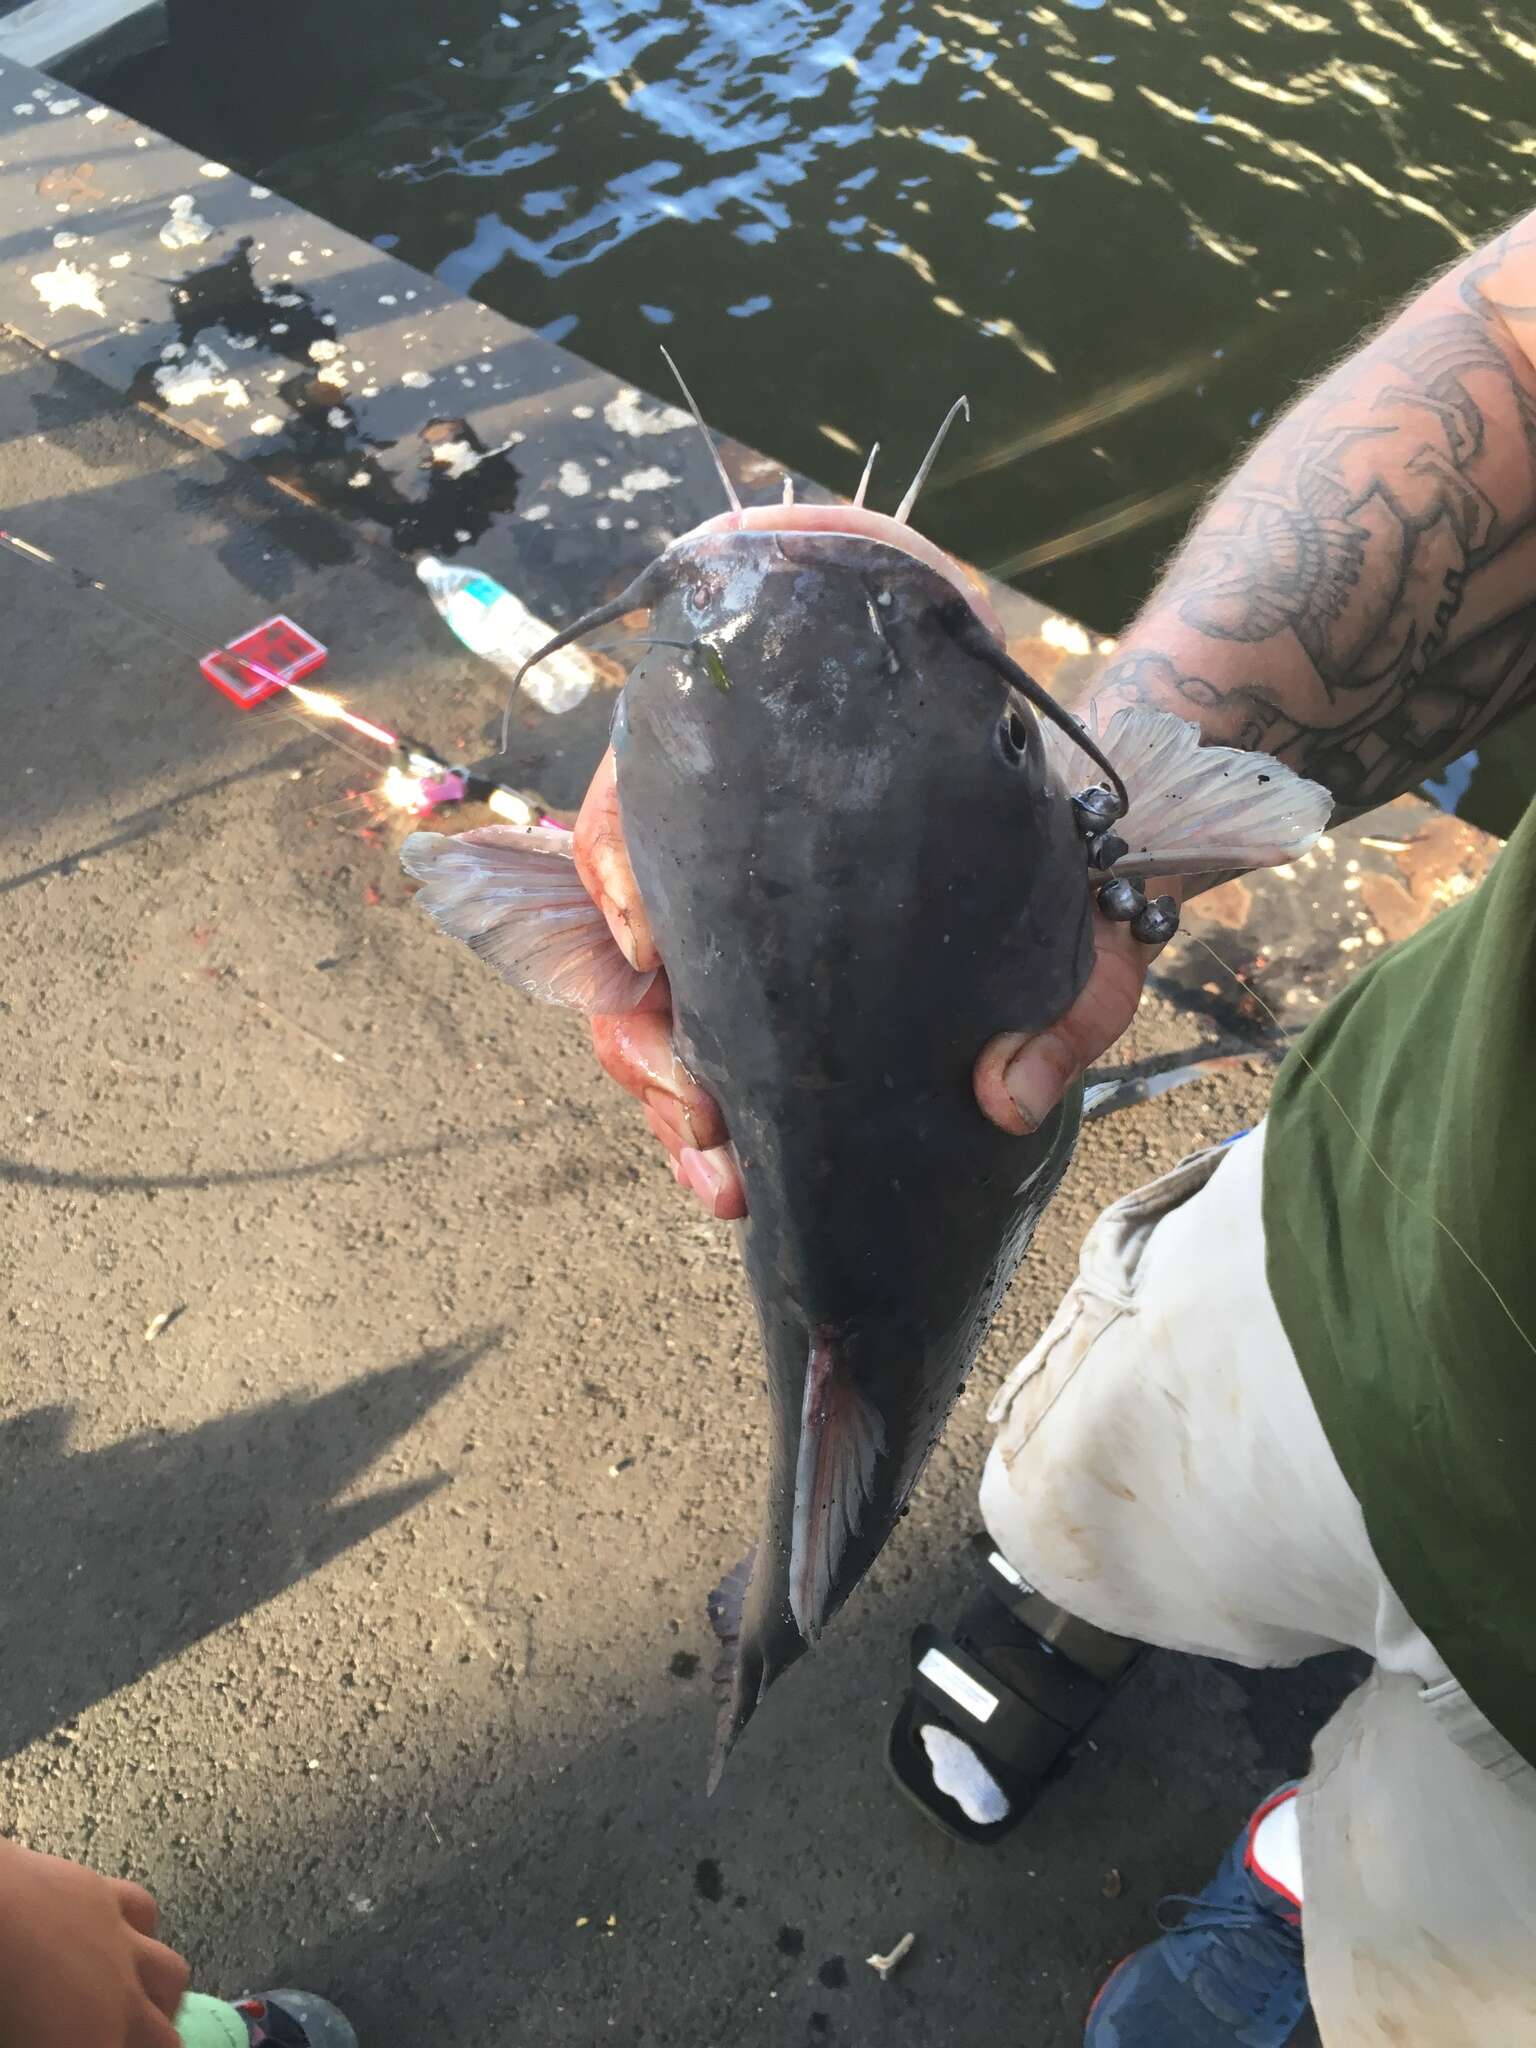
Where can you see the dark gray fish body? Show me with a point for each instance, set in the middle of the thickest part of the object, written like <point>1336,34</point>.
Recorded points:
<point>858,871</point>
<point>858,854</point>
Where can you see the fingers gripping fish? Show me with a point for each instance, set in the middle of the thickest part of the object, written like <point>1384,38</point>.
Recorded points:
<point>861,836</point>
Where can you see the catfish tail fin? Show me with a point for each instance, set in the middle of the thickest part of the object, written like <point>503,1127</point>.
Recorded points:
<point>726,1606</point>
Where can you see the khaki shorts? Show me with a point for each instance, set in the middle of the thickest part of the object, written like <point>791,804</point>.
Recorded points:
<point>1160,1471</point>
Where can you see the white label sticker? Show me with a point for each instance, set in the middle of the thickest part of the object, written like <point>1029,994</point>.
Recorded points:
<point>961,1687</point>
<point>1006,1572</point>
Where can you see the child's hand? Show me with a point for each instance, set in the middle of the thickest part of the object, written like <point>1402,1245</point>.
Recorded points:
<point>79,1964</point>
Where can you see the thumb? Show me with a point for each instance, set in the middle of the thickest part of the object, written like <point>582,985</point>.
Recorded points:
<point>1020,1077</point>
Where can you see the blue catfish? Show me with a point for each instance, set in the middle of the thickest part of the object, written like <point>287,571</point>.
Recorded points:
<point>866,841</point>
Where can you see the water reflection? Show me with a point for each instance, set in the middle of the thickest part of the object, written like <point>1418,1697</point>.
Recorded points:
<point>1127,230</point>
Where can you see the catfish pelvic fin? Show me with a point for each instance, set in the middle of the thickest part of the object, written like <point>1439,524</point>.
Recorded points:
<point>841,1438</point>
<point>515,898</point>
<point>1196,809</point>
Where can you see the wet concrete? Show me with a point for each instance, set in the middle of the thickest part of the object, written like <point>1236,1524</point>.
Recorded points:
<point>423,421</point>
<point>345,376</point>
<point>85,35</point>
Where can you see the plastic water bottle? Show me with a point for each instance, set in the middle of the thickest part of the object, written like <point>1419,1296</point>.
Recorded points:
<point>203,2022</point>
<point>499,627</point>
<point>210,2023</point>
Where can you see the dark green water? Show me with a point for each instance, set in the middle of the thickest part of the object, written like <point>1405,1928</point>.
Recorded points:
<point>1127,231</point>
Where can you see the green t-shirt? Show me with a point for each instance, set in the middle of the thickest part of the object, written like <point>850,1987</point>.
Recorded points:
<point>1412,1308</point>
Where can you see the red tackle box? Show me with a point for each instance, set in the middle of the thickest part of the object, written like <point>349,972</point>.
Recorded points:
<point>282,651</point>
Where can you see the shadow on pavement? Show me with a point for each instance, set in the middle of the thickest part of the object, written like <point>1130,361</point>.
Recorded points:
<point>157,1540</point>
<point>142,824</point>
<point>104,1181</point>
<point>540,1890</point>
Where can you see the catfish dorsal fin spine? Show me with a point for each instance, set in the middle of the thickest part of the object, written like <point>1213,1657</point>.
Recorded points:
<point>693,406</point>
<point>904,509</point>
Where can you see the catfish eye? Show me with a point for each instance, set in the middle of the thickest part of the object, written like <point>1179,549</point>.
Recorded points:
<point>1012,738</point>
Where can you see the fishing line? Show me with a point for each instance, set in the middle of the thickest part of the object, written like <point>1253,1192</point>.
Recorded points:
<point>417,781</point>
<point>161,622</point>
<point>82,579</point>
<point>1365,1144</point>
<point>305,724</point>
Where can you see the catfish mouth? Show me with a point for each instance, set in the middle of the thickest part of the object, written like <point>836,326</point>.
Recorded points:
<point>855,522</point>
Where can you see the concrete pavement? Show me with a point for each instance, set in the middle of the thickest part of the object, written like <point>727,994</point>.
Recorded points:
<point>360,1610</point>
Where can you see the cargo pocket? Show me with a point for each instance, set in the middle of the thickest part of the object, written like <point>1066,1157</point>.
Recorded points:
<point>1103,1292</point>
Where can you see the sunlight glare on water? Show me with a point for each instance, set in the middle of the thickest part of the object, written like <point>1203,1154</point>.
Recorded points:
<point>1128,231</point>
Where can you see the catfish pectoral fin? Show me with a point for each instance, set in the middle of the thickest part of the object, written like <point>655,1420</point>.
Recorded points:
<point>516,899</point>
<point>841,1438</point>
<point>1197,809</point>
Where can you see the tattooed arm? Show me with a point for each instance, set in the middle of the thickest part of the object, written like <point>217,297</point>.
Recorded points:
<point>1360,597</point>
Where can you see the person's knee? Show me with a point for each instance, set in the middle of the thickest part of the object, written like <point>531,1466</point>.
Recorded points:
<point>1048,1551</point>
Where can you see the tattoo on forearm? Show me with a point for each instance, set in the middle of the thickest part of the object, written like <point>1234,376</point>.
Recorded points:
<point>1361,598</point>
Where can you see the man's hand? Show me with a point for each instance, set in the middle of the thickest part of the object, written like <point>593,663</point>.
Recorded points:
<point>79,1964</point>
<point>636,1051</point>
<point>1019,1079</point>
